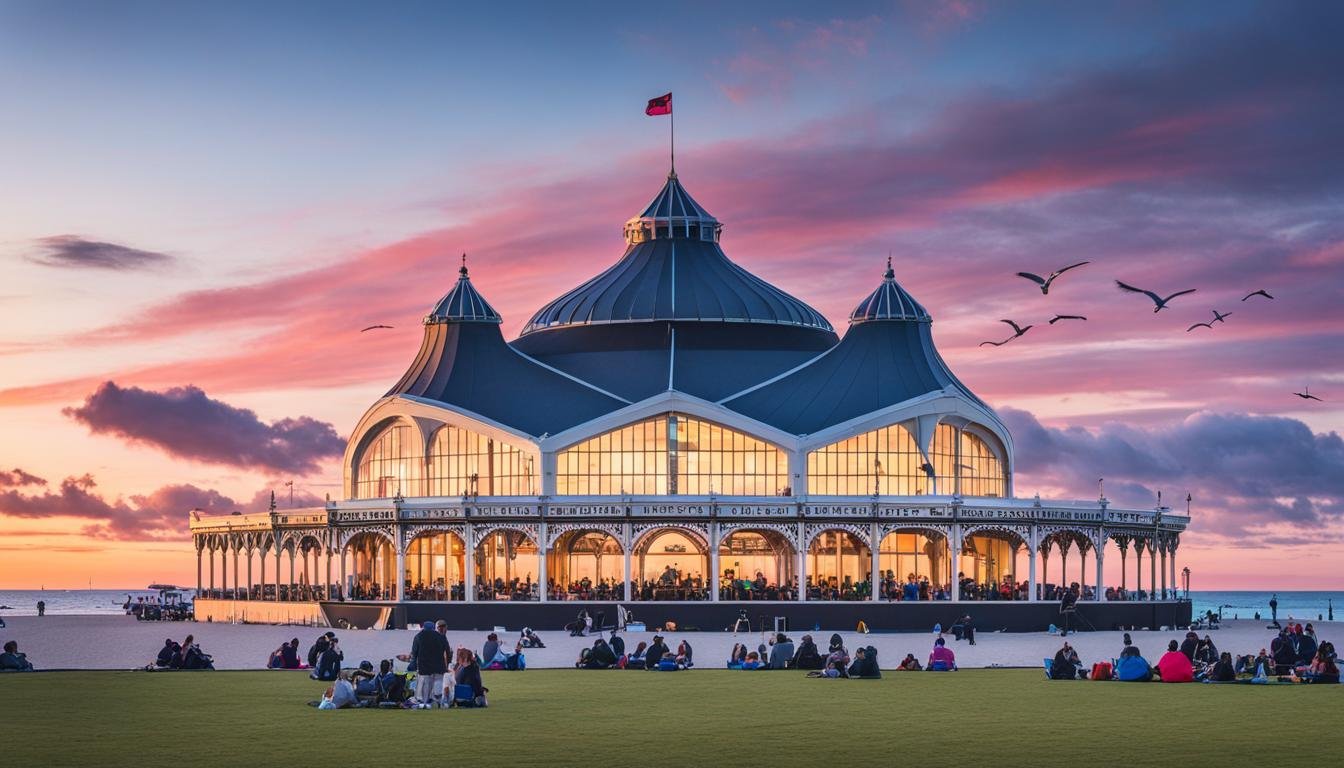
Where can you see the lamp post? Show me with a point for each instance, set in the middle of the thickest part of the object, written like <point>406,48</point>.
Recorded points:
<point>1185,574</point>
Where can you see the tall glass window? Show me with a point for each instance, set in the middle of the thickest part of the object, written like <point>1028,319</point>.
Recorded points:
<point>672,454</point>
<point>390,465</point>
<point>464,462</point>
<point>887,461</point>
<point>884,461</point>
<point>980,470</point>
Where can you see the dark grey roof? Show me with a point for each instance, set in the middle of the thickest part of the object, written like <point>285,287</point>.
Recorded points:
<point>673,201</point>
<point>876,365</point>
<point>889,302</point>
<point>463,303</point>
<point>467,364</point>
<point>675,279</point>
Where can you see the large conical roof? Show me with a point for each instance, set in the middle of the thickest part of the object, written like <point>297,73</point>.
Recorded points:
<point>674,270</point>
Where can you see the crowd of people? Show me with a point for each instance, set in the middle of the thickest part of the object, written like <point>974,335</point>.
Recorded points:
<point>184,655</point>
<point>1294,655</point>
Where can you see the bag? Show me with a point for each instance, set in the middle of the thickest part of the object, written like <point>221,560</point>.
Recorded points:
<point>1101,671</point>
<point>463,693</point>
<point>667,665</point>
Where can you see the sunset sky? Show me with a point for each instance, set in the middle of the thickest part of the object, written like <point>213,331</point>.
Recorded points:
<point>201,205</point>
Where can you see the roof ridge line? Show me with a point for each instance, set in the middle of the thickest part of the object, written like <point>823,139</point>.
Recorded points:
<point>569,376</point>
<point>777,377</point>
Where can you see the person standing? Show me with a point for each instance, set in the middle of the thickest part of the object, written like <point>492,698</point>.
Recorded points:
<point>41,607</point>
<point>430,650</point>
<point>1274,609</point>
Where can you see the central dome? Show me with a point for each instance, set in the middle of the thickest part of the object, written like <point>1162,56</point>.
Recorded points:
<point>674,270</point>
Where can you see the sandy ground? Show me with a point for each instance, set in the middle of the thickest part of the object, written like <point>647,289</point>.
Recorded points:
<point>121,642</point>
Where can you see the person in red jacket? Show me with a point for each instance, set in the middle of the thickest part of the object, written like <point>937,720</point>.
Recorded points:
<point>1174,666</point>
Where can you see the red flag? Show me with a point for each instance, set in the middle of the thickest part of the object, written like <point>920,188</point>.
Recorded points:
<point>661,105</point>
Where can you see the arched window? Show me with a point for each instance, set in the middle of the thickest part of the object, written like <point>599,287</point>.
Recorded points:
<point>981,472</point>
<point>390,465</point>
<point>672,454</point>
<point>463,462</point>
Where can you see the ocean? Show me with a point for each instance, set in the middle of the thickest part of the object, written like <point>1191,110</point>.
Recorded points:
<point>1235,604</point>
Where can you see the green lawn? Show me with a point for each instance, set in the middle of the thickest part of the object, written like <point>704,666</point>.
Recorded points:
<point>704,717</point>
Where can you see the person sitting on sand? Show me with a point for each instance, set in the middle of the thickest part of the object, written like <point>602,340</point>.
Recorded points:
<point>753,661</point>
<point>466,672</point>
<point>781,652</point>
<point>530,639</point>
<point>329,663</point>
<point>909,664</point>
<point>1174,666</point>
<point>13,661</point>
<point>1223,671</point>
<point>807,656</point>
<point>942,659</point>
<point>170,655</point>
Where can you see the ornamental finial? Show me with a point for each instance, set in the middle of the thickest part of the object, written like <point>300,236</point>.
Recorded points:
<point>463,270</point>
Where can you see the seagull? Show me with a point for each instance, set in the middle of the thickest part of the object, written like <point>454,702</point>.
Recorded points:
<point>1057,318</point>
<point>1044,283</point>
<point>371,327</point>
<point>1198,325</point>
<point>1218,316</point>
<point>1017,331</point>
<point>1305,394</point>
<point>1158,300</point>
<point>1261,292</point>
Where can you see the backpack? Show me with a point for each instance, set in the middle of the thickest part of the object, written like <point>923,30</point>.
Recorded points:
<point>1101,671</point>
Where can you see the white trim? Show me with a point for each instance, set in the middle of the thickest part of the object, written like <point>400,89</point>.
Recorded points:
<point>785,374</point>
<point>571,377</point>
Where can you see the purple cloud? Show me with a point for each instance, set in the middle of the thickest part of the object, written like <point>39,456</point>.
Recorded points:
<point>76,251</point>
<point>17,478</point>
<point>186,423</point>
<point>1245,472</point>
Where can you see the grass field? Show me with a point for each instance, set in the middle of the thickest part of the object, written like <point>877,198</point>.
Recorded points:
<point>700,718</point>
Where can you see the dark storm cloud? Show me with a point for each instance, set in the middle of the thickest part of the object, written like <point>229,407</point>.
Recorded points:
<point>184,422</point>
<point>1244,471</point>
<point>75,251</point>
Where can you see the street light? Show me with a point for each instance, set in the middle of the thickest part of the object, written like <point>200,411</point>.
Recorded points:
<point>1185,572</point>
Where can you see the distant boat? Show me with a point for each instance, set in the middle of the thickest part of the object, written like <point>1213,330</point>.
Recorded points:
<point>161,587</point>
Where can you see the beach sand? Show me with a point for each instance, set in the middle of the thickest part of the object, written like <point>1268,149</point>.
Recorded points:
<point>121,642</point>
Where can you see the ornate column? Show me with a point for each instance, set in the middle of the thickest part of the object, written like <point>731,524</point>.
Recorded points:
<point>714,542</point>
<point>469,589</point>
<point>1032,544</point>
<point>875,549</point>
<point>199,582</point>
<point>291,571</point>
<point>802,561</point>
<point>1123,543</point>
<point>1138,565</point>
<point>544,549</point>
<point>249,570</point>
<point>400,593</point>
<point>1172,543</point>
<point>224,568</point>
<point>628,544</point>
<point>1152,563</point>
<point>1101,559</point>
<point>954,556</point>
<point>1163,550</point>
<point>1046,544</point>
<point>277,567</point>
<point>1065,544</point>
<point>261,583</point>
<point>1082,568</point>
<point>345,581</point>
<point>326,582</point>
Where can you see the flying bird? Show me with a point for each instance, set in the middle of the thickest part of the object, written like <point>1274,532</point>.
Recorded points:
<point>1057,318</point>
<point>371,327</point>
<point>1261,292</point>
<point>1017,331</point>
<point>1305,394</point>
<point>1218,316</point>
<point>1045,282</point>
<point>1158,300</point>
<point>1198,325</point>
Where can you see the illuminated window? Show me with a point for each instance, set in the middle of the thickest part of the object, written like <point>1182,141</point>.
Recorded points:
<point>672,454</point>
<point>887,461</point>
<point>464,462</point>
<point>390,465</point>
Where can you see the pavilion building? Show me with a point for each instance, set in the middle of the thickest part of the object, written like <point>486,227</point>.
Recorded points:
<point>678,436</point>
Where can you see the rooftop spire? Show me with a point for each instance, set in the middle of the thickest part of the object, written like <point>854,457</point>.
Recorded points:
<point>463,304</point>
<point>889,302</point>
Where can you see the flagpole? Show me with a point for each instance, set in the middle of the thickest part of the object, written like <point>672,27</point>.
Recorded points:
<point>672,127</point>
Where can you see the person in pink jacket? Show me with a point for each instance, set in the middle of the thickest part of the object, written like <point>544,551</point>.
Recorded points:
<point>942,659</point>
<point>1174,666</point>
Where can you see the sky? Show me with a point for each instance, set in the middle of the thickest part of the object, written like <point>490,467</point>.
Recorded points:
<point>203,204</point>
